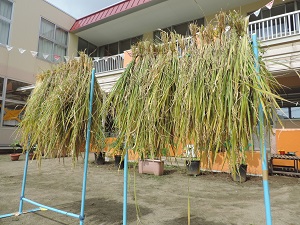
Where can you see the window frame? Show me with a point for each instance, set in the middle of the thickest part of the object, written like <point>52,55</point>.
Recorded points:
<point>9,21</point>
<point>4,99</point>
<point>172,28</point>
<point>54,43</point>
<point>289,111</point>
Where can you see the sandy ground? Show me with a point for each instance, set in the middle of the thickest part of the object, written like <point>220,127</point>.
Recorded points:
<point>215,199</point>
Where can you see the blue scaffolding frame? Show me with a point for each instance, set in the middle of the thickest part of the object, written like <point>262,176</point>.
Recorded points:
<point>80,216</point>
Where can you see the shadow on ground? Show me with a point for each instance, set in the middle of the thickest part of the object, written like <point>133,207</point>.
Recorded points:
<point>105,210</point>
<point>194,220</point>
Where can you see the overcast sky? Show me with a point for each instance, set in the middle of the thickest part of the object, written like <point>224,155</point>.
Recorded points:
<point>81,8</point>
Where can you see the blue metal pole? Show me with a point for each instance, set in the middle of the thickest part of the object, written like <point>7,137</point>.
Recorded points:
<point>87,148</point>
<point>24,182</point>
<point>125,188</point>
<point>50,208</point>
<point>263,151</point>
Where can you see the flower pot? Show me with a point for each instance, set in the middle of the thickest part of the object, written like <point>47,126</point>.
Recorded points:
<point>240,175</point>
<point>193,167</point>
<point>14,157</point>
<point>118,163</point>
<point>100,158</point>
<point>150,166</point>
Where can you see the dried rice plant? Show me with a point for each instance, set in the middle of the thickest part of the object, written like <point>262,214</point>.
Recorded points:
<point>203,90</point>
<point>56,115</point>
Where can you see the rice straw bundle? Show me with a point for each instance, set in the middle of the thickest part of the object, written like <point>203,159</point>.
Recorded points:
<point>203,90</point>
<point>56,115</point>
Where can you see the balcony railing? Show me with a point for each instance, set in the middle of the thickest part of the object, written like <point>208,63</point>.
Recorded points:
<point>109,63</point>
<point>284,25</point>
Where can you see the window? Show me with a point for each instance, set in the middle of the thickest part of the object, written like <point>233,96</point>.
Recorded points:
<point>5,20</point>
<point>283,113</point>
<point>87,47</point>
<point>52,42</point>
<point>118,47</point>
<point>182,28</point>
<point>289,112</point>
<point>13,97</point>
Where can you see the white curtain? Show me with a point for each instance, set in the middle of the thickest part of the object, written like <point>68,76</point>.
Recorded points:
<point>5,9</point>
<point>5,17</point>
<point>61,36</point>
<point>60,51</point>
<point>47,29</point>
<point>45,47</point>
<point>4,32</point>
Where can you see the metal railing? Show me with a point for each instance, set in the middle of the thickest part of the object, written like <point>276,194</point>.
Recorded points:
<point>109,63</point>
<point>284,25</point>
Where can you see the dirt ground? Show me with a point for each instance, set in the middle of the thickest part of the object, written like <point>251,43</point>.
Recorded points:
<point>215,199</point>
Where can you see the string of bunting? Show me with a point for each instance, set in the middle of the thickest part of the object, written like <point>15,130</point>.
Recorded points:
<point>58,57</point>
<point>268,5</point>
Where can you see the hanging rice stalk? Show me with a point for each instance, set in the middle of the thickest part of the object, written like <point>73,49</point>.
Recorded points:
<point>202,90</point>
<point>56,115</point>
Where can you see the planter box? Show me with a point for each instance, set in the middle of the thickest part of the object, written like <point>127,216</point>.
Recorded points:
<point>150,166</point>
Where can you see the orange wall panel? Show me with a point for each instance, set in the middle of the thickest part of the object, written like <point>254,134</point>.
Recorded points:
<point>287,140</point>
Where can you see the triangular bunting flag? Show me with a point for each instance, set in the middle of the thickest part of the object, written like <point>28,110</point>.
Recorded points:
<point>257,12</point>
<point>67,58</point>
<point>56,57</point>
<point>270,4</point>
<point>97,59</point>
<point>9,47</point>
<point>21,50</point>
<point>45,56</point>
<point>33,53</point>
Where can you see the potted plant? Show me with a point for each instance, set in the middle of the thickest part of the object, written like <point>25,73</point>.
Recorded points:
<point>15,156</point>
<point>192,163</point>
<point>239,169</point>
<point>100,158</point>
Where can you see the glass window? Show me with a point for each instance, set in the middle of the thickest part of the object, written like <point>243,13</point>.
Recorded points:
<point>16,90</point>
<point>135,40</point>
<point>295,112</point>
<point>199,22</point>
<point>52,42</point>
<point>13,113</point>
<point>88,48</point>
<point>113,49</point>
<point>82,45</point>
<point>13,101</point>
<point>92,50</point>
<point>125,45</point>
<point>181,29</point>
<point>290,7</point>
<point>5,20</point>
<point>283,113</point>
